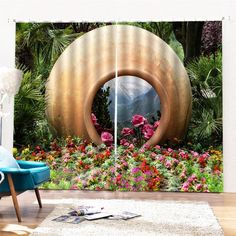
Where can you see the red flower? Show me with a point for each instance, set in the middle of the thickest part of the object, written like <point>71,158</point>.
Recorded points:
<point>144,166</point>
<point>86,167</point>
<point>138,120</point>
<point>216,169</point>
<point>118,178</point>
<point>99,156</point>
<point>135,154</point>
<point>107,153</point>
<point>155,170</point>
<point>127,131</point>
<point>202,161</point>
<point>81,148</point>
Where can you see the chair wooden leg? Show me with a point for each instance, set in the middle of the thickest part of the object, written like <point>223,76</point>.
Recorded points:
<point>14,198</point>
<point>38,197</point>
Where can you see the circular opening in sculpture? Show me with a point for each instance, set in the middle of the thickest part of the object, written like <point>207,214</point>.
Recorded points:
<point>138,110</point>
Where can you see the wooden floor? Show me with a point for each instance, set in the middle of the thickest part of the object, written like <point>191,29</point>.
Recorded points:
<point>223,205</point>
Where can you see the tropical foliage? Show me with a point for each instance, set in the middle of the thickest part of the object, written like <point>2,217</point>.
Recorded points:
<point>29,112</point>
<point>38,45</point>
<point>192,164</point>
<point>206,78</point>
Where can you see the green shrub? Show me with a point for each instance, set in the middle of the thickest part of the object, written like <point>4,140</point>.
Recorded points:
<point>205,75</point>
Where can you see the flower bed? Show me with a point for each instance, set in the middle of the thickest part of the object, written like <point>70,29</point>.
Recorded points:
<point>78,164</point>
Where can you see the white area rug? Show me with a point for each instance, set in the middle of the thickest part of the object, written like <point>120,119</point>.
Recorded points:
<point>158,218</point>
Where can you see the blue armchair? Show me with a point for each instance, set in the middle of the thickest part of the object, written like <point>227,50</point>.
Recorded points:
<point>28,177</point>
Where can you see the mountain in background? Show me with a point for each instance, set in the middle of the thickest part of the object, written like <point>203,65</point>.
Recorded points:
<point>134,96</point>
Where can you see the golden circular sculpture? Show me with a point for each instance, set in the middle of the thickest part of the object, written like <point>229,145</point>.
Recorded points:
<point>92,60</point>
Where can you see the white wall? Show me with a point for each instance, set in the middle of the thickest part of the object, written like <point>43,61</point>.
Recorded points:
<point>133,10</point>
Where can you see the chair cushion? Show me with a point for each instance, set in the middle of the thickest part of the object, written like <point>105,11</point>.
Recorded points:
<point>7,160</point>
<point>30,164</point>
<point>40,174</point>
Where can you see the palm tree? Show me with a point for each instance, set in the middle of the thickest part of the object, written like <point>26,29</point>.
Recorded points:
<point>29,110</point>
<point>44,43</point>
<point>206,79</point>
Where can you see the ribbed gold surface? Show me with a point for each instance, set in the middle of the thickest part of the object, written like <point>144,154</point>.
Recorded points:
<point>89,62</point>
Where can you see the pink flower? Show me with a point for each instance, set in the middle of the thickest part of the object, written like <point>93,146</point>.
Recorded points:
<point>147,127</point>
<point>185,186</point>
<point>217,172</point>
<point>183,154</point>
<point>146,146</point>
<point>138,179</point>
<point>124,163</point>
<point>127,186</point>
<point>74,187</point>
<point>134,140</point>
<point>192,178</point>
<point>107,138</point>
<point>94,119</point>
<point>195,154</point>
<point>205,155</point>
<point>153,154</point>
<point>176,161</point>
<point>156,124</point>
<point>161,158</point>
<point>112,170</point>
<point>185,189</point>
<point>127,131</point>
<point>142,150</point>
<point>148,133</point>
<point>90,153</point>
<point>138,120</point>
<point>124,142</point>
<point>135,170</point>
<point>148,172</point>
<point>131,146</point>
<point>199,186</point>
<point>183,175</point>
<point>54,163</point>
<point>168,164</point>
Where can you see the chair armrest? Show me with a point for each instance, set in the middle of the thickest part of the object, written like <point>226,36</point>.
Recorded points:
<point>30,164</point>
<point>14,171</point>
